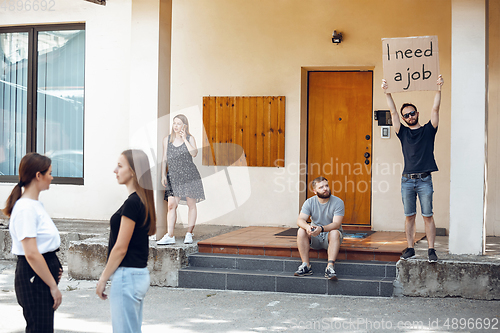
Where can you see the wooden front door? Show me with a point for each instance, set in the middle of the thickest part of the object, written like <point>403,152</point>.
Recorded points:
<point>340,138</point>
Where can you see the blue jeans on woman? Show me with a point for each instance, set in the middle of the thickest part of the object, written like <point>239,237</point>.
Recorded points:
<point>128,289</point>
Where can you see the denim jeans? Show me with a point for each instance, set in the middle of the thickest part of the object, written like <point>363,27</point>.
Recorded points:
<point>128,289</point>
<point>422,187</point>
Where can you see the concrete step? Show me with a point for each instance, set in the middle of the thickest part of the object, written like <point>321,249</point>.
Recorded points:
<point>280,264</point>
<point>275,274</point>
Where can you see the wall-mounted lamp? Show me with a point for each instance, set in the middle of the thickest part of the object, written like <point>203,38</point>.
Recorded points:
<point>336,37</point>
<point>99,2</point>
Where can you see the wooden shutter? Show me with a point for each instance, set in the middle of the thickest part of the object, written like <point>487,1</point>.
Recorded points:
<point>244,131</point>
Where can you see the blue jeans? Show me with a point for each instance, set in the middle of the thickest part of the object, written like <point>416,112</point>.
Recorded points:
<point>126,297</point>
<point>422,187</point>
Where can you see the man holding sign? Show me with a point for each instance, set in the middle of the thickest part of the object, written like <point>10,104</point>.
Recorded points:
<point>417,143</point>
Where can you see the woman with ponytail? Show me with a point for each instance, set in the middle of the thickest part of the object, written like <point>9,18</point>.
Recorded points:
<point>35,240</point>
<point>128,247</point>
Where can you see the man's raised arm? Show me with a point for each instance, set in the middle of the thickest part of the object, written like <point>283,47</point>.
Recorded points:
<point>437,103</point>
<point>390,102</point>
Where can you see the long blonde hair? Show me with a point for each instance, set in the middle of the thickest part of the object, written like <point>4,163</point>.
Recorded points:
<point>184,120</point>
<point>139,164</point>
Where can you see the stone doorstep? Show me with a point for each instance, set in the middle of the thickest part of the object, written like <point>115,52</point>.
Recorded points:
<point>276,274</point>
<point>289,265</point>
<point>226,279</point>
<point>448,278</point>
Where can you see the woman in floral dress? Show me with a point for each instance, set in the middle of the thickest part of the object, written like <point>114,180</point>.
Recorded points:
<point>180,177</point>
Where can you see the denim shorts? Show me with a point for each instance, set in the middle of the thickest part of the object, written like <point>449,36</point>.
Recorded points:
<point>422,187</point>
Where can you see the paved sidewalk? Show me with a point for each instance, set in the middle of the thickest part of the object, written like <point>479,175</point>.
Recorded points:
<point>187,310</point>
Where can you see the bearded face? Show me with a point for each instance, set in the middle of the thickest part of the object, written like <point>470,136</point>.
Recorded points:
<point>410,116</point>
<point>412,120</point>
<point>322,190</point>
<point>324,195</point>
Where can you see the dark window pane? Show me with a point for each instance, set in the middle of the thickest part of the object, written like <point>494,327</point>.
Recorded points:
<point>60,98</point>
<point>13,100</point>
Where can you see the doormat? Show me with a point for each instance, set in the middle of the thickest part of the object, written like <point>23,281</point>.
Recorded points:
<point>347,234</point>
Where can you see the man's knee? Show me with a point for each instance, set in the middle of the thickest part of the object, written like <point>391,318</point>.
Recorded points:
<point>334,236</point>
<point>428,219</point>
<point>411,218</point>
<point>302,236</point>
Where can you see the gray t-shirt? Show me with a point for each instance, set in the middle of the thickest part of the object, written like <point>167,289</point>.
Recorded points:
<point>322,214</point>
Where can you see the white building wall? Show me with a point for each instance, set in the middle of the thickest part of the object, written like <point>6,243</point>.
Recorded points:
<point>493,171</point>
<point>468,125</point>
<point>121,86</point>
<point>262,48</point>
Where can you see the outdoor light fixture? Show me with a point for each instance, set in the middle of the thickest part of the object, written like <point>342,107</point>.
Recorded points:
<point>336,37</point>
<point>99,2</point>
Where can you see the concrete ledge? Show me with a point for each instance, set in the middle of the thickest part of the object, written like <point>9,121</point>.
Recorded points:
<point>66,239</point>
<point>164,263</point>
<point>69,230</point>
<point>448,278</point>
<point>87,259</point>
<point>85,253</point>
<point>5,244</point>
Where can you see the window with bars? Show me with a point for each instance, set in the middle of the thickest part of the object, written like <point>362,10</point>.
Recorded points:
<point>42,98</point>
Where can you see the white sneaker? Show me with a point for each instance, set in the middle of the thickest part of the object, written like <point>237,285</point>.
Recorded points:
<point>166,240</point>
<point>189,238</point>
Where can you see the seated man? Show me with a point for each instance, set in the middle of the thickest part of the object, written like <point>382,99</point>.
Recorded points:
<point>325,232</point>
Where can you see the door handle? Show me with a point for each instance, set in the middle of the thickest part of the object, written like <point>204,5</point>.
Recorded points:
<point>367,162</point>
<point>367,155</point>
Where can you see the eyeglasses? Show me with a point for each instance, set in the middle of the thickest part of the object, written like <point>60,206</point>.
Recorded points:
<point>412,113</point>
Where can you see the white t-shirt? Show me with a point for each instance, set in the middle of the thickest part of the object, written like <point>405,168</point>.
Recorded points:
<point>30,220</point>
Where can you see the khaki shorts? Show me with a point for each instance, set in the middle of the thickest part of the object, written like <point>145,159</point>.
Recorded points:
<point>321,241</point>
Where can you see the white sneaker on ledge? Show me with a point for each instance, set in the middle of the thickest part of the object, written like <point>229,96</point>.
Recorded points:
<point>189,238</point>
<point>166,240</point>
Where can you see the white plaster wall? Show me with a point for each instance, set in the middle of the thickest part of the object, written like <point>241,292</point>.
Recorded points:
<point>468,126</point>
<point>260,47</point>
<point>493,171</point>
<point>110,64</point>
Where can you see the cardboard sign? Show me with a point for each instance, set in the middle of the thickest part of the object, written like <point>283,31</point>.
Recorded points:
<point>411,63</point>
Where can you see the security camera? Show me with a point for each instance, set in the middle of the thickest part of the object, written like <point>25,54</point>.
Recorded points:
<point>336,37</point>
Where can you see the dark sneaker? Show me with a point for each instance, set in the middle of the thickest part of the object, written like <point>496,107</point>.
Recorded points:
<point>330,273</point>
<point>303,270</point>
<point>432,255</point>
<point>408,253</point>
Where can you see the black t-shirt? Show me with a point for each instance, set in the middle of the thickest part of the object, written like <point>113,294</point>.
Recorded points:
<point>418,148</point>
<point>138,248</point>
